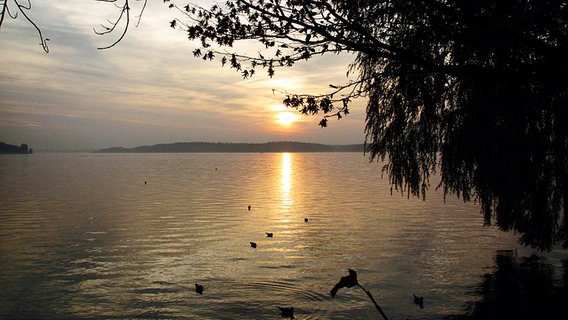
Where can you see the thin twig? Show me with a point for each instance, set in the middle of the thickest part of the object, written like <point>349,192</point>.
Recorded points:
<point>374,302</point>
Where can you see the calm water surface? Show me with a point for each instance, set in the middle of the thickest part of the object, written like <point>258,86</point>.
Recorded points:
<point>83,237</point>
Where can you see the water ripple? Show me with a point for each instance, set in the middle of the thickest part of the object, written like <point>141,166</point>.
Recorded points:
<point>83,237</point>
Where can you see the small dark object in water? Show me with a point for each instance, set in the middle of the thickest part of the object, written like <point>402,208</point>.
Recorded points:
<point>198,288</point>
<point>145,182</point>
<point>253,244</point>
<point>345,282</point>
<point>305,219</point>
<point>419,301</point>
<point>249,208</point>
<point>287,312</point>
<point>269,234</point>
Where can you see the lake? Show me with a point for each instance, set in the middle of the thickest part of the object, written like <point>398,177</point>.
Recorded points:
<point>121,236</point>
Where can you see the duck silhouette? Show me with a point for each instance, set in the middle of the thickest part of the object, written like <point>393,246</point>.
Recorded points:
<point>253,244</point>
<point>419,301</point>
<point>306,219</point>
<point>287,312</point>
<point>198,288</point>
<point>269,234</point>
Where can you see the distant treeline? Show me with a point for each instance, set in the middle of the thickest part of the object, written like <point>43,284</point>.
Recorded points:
<point>8,148</point>
<point>209,147</point>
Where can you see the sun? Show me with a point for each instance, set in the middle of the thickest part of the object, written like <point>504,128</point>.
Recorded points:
<point>286,118</point>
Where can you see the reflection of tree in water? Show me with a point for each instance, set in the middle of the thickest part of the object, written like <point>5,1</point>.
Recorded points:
<point>522,288</point>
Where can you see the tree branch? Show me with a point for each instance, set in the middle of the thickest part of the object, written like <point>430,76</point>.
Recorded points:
<point>23,8</point>
<point>374,302</point>
<point>124,13</point>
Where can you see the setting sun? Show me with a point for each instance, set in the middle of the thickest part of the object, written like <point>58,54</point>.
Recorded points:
<point>286,118</point>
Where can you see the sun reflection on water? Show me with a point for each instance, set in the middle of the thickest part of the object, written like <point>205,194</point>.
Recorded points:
<point>286,180</point>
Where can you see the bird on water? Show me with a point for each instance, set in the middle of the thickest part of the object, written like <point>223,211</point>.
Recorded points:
<point>419,301</point>
<point>269,234</point>
<point>253,244</point>
<point>198,288</point>
<point>287,312</point>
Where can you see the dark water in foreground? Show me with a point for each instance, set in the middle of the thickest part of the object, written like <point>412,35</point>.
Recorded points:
<point>83,237</point>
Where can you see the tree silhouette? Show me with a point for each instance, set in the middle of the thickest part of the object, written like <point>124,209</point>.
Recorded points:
<point>477,90</point>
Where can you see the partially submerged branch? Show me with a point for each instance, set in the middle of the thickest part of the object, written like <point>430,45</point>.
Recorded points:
<point>374,302</point>
<point>351,281</point>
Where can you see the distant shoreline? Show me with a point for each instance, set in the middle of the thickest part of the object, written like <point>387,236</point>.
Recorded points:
<point>220,147</point>
<point>11,149</point>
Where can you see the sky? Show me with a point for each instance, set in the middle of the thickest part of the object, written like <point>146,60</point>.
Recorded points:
<point>149,88</point>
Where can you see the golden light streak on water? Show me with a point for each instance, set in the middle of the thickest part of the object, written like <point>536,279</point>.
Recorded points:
<point>286,181</point>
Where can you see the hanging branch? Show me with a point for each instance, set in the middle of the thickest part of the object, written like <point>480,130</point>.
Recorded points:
<point>23,8</point>
<point>112,24</point>
<point>122,20</point>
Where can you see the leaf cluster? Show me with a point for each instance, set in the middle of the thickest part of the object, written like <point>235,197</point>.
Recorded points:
<point>284,29</point>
